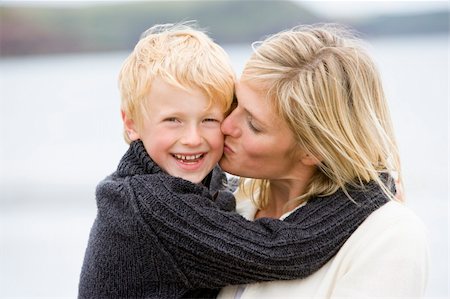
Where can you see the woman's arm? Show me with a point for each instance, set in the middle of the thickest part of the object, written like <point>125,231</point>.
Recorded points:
<point>214,248</point>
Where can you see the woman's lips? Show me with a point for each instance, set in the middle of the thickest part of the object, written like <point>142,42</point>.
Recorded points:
<point>227,149</point>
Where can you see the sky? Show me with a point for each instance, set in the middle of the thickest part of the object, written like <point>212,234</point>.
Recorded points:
<point>330,8</point>
<point>358,9</point>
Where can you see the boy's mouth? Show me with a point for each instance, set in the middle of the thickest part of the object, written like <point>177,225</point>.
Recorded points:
<point>188,159</point>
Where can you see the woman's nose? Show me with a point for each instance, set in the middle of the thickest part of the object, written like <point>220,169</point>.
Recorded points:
<point>230,126</point>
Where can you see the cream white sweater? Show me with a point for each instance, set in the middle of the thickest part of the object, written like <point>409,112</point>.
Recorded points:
<point>386,257</point>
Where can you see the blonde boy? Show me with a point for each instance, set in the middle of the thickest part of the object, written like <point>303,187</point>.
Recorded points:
<point>176,87</point>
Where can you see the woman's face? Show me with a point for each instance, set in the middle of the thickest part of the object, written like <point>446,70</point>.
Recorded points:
<point>258,143</point>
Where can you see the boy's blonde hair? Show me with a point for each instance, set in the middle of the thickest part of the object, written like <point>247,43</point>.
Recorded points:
<point>324,85</point>
<point>180,55</point>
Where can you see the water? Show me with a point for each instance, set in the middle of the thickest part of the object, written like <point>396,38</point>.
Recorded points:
<point>60,132</point>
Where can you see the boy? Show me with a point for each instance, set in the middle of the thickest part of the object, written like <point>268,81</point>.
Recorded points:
<point>159,233</point>
<point>176,87</point>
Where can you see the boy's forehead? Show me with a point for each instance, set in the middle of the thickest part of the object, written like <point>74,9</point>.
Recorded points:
<point>167,83</point>
<point>164,96</point>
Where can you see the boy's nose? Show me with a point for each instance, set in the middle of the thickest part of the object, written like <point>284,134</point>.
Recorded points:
<point>191,136</point>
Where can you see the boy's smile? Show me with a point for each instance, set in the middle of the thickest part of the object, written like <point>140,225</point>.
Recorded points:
<point>180,131</point>
<point>189,158</point>
<point>189,162</point>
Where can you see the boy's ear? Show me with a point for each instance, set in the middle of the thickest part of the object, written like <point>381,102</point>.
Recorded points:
<point>130,127</point>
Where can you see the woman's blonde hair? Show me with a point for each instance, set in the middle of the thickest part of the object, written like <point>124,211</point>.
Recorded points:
<point>325,86</point>
<point>180,55</point>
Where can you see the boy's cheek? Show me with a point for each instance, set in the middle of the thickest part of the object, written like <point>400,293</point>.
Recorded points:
<point>216,140</point>
<point>219,136</point>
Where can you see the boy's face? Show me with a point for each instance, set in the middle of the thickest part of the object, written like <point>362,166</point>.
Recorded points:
<point>179,133</point>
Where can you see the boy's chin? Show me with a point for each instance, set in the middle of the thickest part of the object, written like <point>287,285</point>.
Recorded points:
<point>193,178</point>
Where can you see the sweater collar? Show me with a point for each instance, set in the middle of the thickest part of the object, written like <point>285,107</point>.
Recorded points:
<point>137,161</point>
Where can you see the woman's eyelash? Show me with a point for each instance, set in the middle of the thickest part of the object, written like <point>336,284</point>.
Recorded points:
<point>251,126</point>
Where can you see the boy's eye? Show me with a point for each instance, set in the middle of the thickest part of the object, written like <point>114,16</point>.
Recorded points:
<point>171,119</point>
<point>211,120</point>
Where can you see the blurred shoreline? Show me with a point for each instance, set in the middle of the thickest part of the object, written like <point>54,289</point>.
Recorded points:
<point>38,29</point>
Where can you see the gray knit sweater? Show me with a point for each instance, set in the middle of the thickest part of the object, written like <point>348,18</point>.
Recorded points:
<point>157,236</point>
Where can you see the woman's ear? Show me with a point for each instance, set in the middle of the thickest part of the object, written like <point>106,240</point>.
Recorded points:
<point>309,159</point>
<point>130,127</point>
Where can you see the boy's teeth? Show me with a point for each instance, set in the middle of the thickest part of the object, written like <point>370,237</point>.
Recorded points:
<point>192,157</point>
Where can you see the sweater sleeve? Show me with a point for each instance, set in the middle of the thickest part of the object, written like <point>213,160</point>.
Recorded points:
<point>215,248</point>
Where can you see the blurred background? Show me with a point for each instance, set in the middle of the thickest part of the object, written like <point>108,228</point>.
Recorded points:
<point>60,126</point>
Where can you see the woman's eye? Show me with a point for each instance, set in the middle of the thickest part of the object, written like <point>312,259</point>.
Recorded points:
<point>251,126</point>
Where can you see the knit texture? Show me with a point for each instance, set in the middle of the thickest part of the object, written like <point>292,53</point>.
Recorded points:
<point>157,236</point>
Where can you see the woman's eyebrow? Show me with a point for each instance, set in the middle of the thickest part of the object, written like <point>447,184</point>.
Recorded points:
<point>260,121</point>
<point>253,116</point>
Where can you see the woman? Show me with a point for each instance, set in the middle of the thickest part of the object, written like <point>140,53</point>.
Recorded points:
<point>313,94</point>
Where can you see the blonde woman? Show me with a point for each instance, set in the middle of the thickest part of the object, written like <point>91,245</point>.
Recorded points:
<point>312,121</point>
